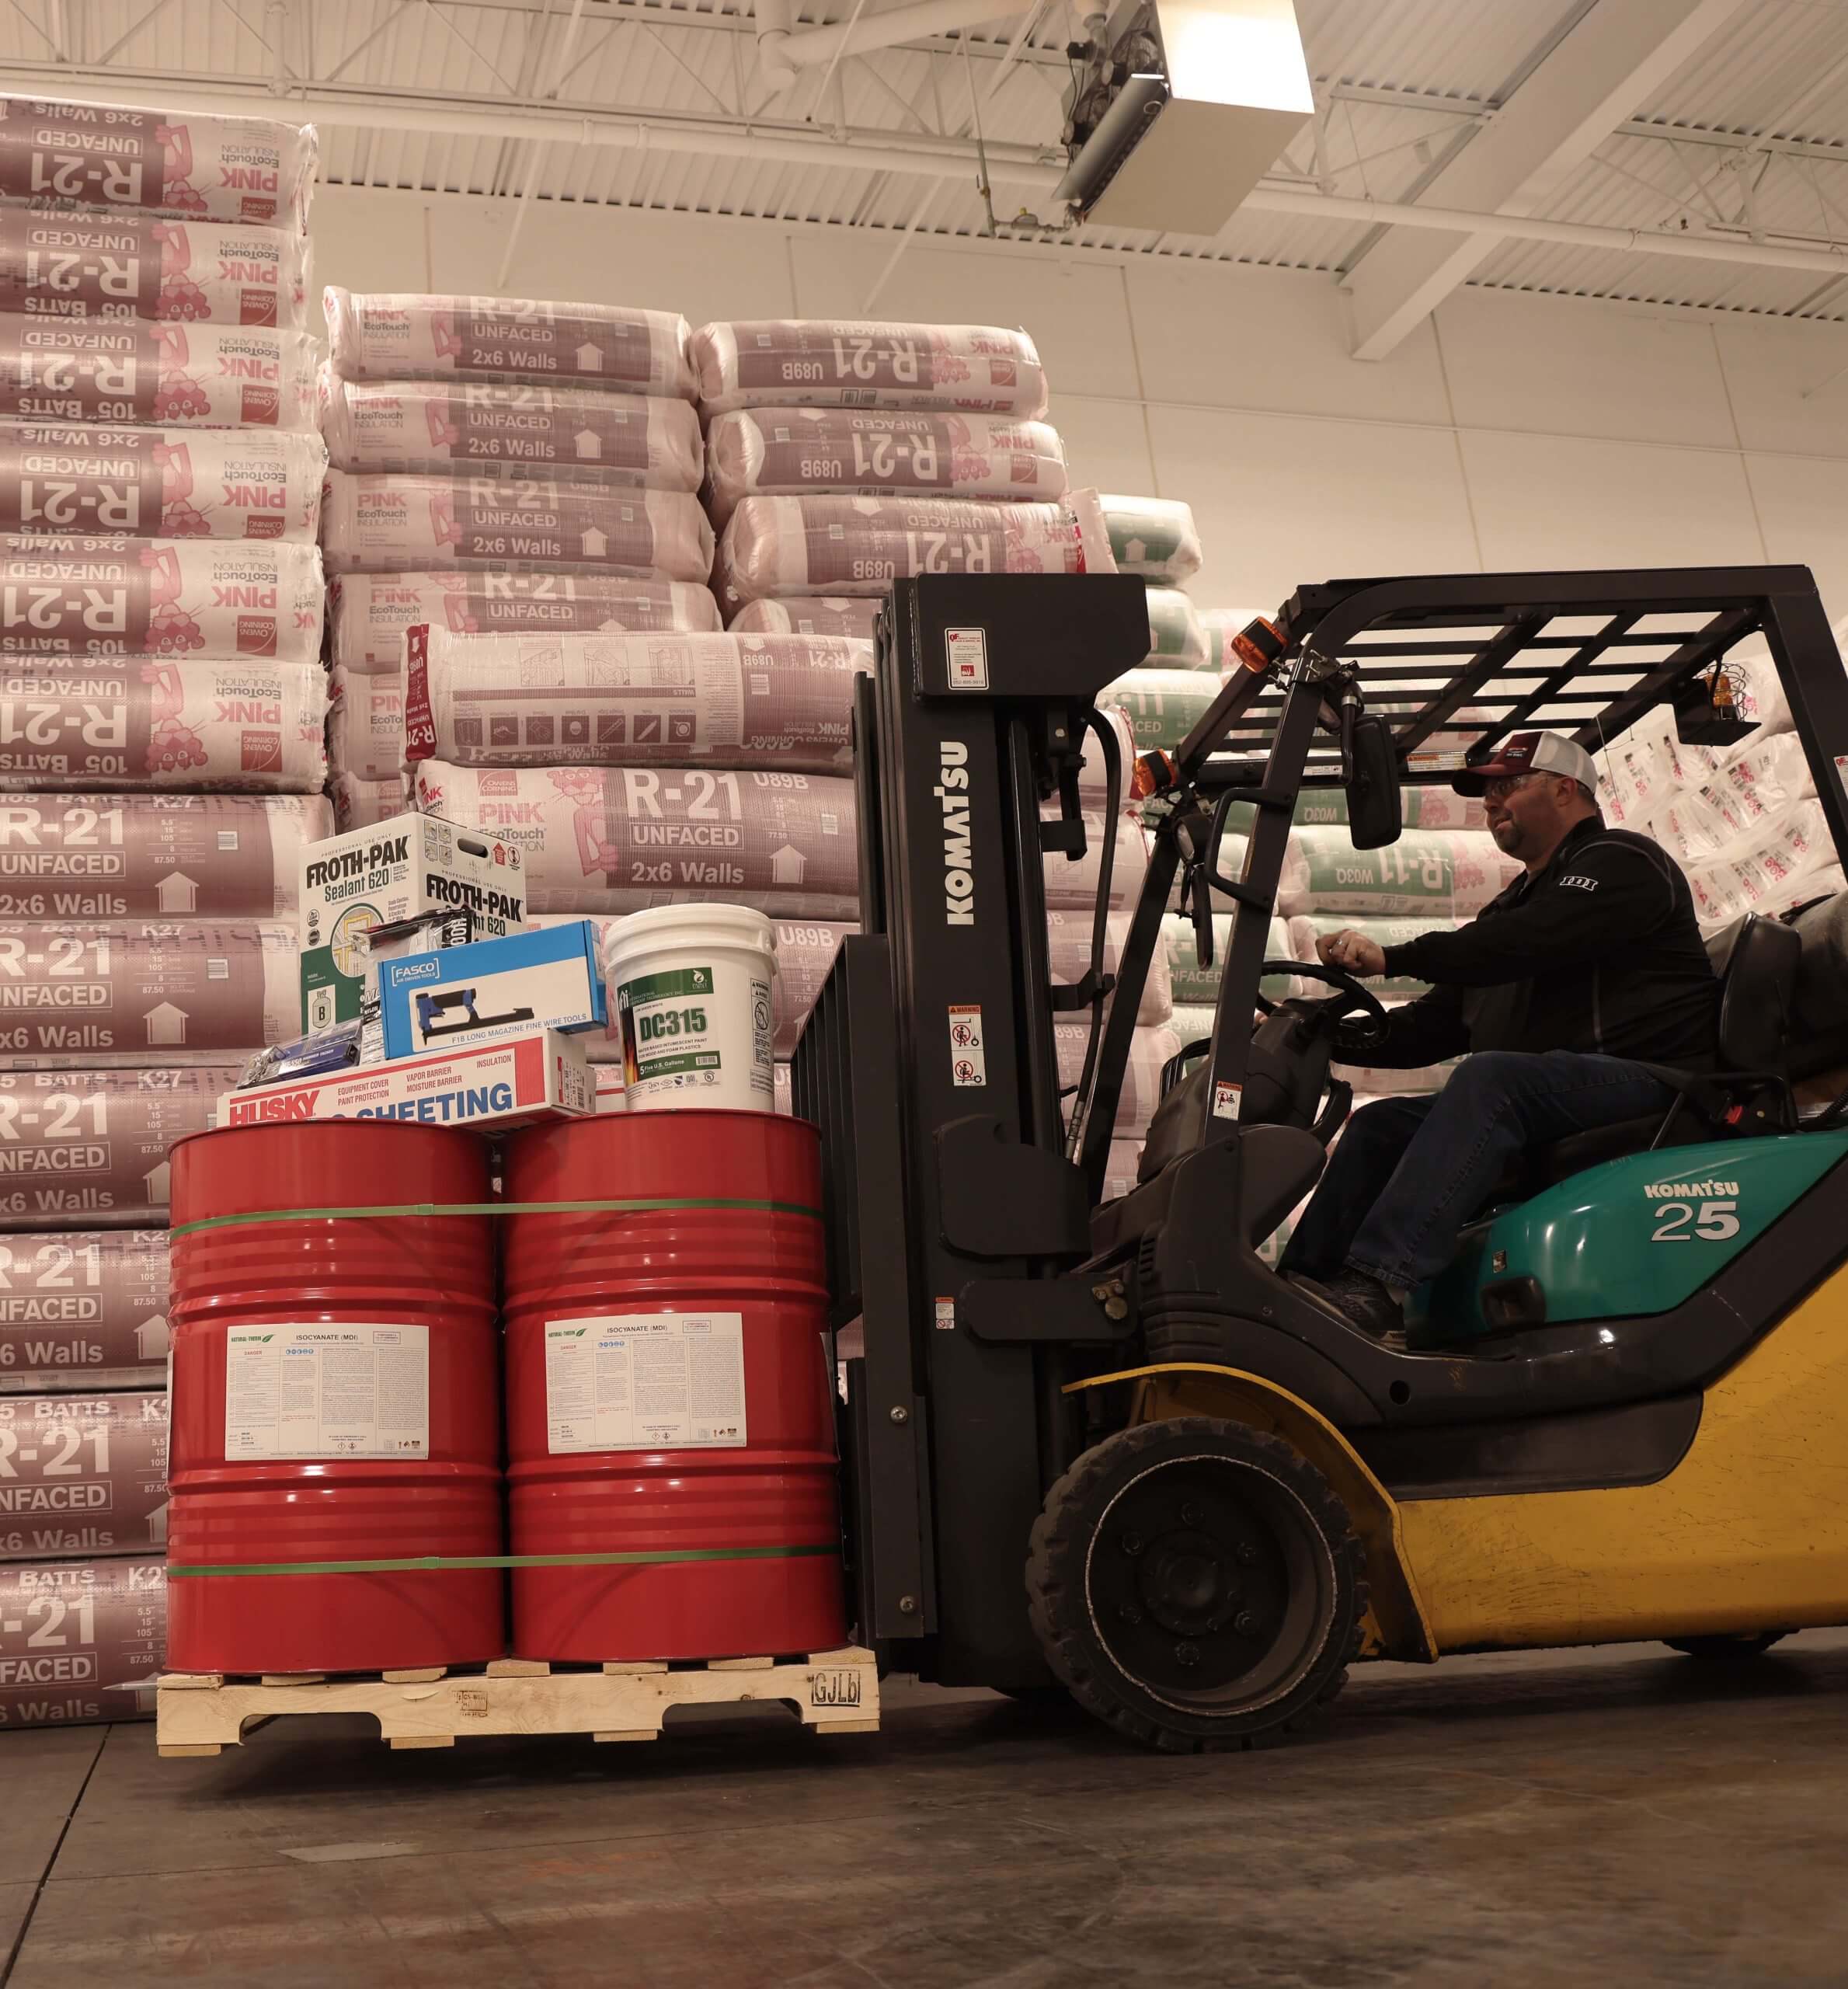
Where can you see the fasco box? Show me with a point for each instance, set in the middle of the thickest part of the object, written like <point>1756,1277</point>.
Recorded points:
<point>493,989</point>
<point>394,870</point>
<point>82,1475</point>
<point>539,1076</point>
<point>84,1310</point>
<point>81,1641</point>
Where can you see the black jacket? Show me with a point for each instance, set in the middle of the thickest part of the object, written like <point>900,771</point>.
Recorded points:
<point>1600,952</point>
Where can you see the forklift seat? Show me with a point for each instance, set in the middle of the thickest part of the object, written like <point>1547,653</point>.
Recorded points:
<point>1756,960</point>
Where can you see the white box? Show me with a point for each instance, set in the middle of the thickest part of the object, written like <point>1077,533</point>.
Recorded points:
<point>543,1075</point>
<point>393,870</point>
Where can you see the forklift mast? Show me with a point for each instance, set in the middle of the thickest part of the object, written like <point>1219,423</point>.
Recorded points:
<point>955,1217</point>
<point>929,1064</point>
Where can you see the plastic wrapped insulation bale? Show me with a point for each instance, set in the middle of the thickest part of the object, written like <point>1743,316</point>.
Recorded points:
<point>93,269</point>
<point>118,1301</point>
<point>1221,625</point>
<point>183,992</point>
<point>111,599</point>
<point>599,839</point>
<point>860,545</point>
<point>92,1149</point>
<point>359,803</point>
<point>1194,985</point>
<point>377,336</point>
<point>511,428</point>
<point>879,452</point>
<point>1149,1050</point>
<point>1093,776</point>
<point>368,613</point>
<point>1744,797</point>
<point>1073,881</point>
<point>1176,639</point>
<point>1163,705</point>
<point>252,727</point>
<point>815,362</point>
<point>388,523</point>
<point>202,165</point>
<point>1419,808</point>
<point>141,856</point>
<point>365,725</point>
<point>1766,872</point>
<point>1155,536</point>
<point>810,614</point>
<point>1119,1168</point>
<point>159,483</point>
<point>1448,873</point>
<point>547,700</point>
<point>1068,944</point>
<point>174,375</point>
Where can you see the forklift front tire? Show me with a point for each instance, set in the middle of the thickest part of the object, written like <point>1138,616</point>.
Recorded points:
<point>1197,1585</point>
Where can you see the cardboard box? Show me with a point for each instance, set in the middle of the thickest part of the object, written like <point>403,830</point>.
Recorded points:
<point>488,1086</point>
<point>493,989</point>
<point>394,870</point>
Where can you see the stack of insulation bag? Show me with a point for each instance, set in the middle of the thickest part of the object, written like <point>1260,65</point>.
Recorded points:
<point>500,467</point>
<point>162,759</point>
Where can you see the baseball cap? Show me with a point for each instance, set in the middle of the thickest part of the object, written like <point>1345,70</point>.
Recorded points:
<point>1529,752</point>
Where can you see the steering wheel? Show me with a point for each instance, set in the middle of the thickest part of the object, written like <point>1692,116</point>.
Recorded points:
<point>1352,997</point>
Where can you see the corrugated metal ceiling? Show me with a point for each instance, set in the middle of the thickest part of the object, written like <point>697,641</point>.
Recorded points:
<point>1750,136</point>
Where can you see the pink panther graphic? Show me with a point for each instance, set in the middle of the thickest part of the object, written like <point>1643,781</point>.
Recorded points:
<point>180,296</point>
<point>171,747</point>
<point>590,822</point>
<point>171,629</point>
<point>176,167</point>
<point>444,433</point>
<point>444,529</point>
<point>180,518</point>
<point>178,396</point>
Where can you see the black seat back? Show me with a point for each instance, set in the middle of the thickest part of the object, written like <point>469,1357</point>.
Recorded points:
<point>1756,960</point>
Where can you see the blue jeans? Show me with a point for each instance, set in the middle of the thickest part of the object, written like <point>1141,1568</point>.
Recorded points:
<point>1409,1172</point>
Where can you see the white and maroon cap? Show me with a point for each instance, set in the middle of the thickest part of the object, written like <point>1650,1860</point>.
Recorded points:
<point>1529,752</point>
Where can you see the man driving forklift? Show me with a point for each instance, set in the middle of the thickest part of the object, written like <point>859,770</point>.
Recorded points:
<point>1585,972</point>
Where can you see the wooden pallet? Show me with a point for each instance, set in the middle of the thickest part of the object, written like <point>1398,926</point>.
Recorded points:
<point>835,1691</point>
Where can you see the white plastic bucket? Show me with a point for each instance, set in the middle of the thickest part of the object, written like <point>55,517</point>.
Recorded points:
<point>690,985</point>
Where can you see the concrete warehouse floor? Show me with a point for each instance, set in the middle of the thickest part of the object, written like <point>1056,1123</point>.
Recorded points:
<point>1617,1816</point>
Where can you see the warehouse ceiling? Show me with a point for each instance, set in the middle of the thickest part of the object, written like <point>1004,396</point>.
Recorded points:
<point>1597,133</point>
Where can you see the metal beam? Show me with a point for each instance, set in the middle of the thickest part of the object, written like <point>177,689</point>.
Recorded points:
<point>1611,61</point>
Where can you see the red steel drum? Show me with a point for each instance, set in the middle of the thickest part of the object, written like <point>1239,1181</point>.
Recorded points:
<point>351,1370</point>
<point>668,1390</point>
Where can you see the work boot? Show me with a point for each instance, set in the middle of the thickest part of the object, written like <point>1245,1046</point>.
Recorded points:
<point>1363,1301</point>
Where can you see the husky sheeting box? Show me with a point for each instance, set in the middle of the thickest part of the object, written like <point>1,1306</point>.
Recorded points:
<point>542,1075</point>
<point>394,870</point>
<point>493,989</point>
<point>84,1310</point>
<point>81,1641</point>
<point>82,1475</point>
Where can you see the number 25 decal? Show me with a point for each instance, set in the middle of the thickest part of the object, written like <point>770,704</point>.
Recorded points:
<point>1716,1222</point>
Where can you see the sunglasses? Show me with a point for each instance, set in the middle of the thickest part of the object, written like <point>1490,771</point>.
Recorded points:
<point>1500,788</point>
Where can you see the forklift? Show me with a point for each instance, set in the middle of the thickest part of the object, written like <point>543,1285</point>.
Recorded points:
<point>1102,1445</point>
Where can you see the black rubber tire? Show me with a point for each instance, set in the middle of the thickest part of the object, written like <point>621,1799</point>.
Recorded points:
<point>1724,1649</point>
<point>1058,1589</point>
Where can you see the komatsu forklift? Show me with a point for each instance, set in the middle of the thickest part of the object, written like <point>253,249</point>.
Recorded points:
<point>1102,1445</point>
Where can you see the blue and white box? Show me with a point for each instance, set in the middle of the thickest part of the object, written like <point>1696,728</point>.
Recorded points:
<point>491,989</point>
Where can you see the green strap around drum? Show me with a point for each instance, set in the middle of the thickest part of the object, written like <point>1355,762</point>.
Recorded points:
<point>639,1205</point>
<point>440,1563</point>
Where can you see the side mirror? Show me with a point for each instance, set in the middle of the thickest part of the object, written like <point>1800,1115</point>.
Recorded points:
<point>1373,813</point>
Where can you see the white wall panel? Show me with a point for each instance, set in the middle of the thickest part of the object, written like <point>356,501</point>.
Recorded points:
<point>1804,506</point>
<point>1106,443</point>
<point>1221,336</point>
<point>1789,385</point>
<point>1281,500</point>
<point>1558,501</point>
<point>1550,366</point>
<point>365,240</point>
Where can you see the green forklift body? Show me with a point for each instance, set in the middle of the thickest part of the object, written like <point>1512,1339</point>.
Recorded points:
<point>1626,1238</point>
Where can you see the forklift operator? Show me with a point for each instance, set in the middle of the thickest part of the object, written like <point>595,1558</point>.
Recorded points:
<point>1587,970</point>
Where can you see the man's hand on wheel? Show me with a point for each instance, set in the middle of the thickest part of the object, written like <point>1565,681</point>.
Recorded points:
<point>1353,950</point>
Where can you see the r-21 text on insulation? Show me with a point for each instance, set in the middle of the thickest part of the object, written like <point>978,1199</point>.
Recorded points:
<point>644,1381</point>
<point>327,1391</point>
